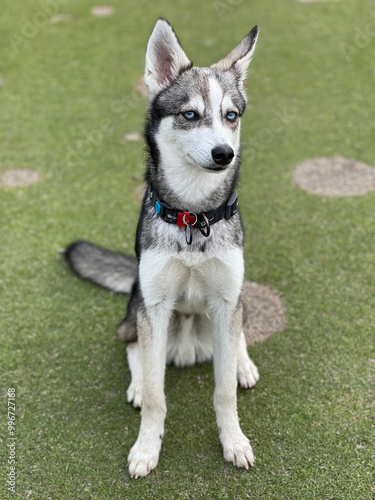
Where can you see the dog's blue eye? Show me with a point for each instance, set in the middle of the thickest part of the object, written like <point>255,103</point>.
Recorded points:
<point>190,115</point>
<point>232,116</point>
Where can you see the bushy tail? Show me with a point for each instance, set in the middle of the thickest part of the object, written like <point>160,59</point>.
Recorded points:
<point>113,270</point>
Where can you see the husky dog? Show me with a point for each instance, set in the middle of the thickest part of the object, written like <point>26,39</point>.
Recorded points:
<point>186,282</point>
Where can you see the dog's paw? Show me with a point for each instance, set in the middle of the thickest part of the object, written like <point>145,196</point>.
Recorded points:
<point>134,394</point>
<point>247,373</point>
<point>238,450</point>
<point>143,458</point>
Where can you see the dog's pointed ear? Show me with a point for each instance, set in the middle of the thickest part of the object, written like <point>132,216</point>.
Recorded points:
<point>239,59</point>
<point>165,58</point>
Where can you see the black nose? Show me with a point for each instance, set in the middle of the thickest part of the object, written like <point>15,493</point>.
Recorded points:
<point>222,155</point>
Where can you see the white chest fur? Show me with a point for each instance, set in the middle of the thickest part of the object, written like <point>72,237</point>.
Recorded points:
<point>191,282</point>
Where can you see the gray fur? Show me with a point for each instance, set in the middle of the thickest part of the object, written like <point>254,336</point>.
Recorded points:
<point>109,269</point>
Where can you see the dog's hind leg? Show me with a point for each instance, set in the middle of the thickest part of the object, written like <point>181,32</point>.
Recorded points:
<point>181,336</point>
<point>247,372</point>
<point>134,392</point>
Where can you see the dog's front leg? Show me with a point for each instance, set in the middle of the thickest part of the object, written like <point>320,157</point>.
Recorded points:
<point>152,327</point>
<point>228,326</point>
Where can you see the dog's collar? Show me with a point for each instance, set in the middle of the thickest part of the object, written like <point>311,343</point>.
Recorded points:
<point>191,220</point>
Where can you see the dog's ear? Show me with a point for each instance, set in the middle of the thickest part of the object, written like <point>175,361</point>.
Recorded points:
<point>165,58</point>
<point>239,59</point>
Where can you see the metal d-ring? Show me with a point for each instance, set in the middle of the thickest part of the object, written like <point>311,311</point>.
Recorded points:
<point>190,213</point>
<point>208,229</point>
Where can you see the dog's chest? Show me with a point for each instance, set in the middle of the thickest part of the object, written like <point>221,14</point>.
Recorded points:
<point>194,290</point>
<point>190,282</point>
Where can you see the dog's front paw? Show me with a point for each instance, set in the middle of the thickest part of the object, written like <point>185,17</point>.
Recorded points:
<point>247,373</point>
<point>238,450</point>
<point>134,394</point>
<point>143,458</point>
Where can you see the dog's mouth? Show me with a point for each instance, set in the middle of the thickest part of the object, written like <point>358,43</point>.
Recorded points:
<point>214,168</point>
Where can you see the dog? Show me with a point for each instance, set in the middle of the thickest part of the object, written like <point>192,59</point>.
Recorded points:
<point>186,281</point>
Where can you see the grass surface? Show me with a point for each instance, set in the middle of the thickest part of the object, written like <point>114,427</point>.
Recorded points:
<point>311,416</point>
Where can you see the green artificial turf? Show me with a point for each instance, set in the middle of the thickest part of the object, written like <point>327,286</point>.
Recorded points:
<point>66,100</point>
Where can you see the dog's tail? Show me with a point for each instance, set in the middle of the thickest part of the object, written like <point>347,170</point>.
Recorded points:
<point>113,270</point>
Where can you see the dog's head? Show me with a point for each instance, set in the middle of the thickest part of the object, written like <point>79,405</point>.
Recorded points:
<point>197,111</point>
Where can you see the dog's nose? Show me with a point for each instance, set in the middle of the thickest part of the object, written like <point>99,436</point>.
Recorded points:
<point>222,155</point>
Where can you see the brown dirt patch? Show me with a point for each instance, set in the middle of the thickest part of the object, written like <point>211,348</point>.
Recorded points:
<point>60,18</point>
<point>14,177</point>
<point>263,312</point>
<point>102,11</point>
<point>336,176</point>
<point>133,136</point>
<point>139,192</point>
